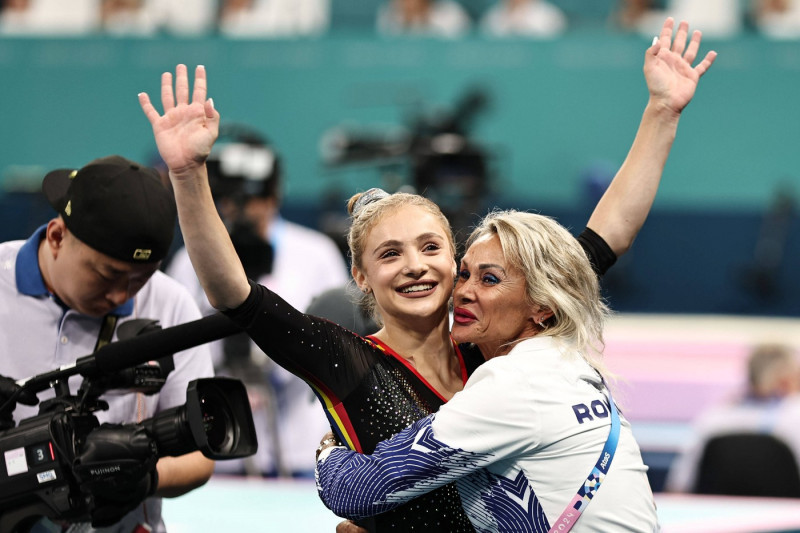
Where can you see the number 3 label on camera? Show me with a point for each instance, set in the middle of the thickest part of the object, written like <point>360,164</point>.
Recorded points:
<point>19,460</point>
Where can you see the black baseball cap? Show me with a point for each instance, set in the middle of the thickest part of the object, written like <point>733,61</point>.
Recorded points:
<point>116,206</point>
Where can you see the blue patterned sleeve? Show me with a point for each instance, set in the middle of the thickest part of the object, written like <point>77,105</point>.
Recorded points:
<point>408,465</point>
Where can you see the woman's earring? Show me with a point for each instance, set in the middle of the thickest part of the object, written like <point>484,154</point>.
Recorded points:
<point>366,290</point>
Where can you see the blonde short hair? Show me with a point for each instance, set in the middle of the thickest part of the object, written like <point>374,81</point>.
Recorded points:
<point>557,273</point>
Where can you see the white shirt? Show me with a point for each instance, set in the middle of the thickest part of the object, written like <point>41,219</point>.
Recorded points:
<point>278,18</point>
<point>533,19</point>
<point>53,18</point>
<point>717,19</point>
<point>445,19</point>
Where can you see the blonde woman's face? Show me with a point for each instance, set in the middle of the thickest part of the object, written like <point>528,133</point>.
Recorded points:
<point>491,306</point>
<point>408,265</point>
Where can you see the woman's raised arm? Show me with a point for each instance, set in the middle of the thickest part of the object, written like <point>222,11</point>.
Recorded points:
<point>671,81</point>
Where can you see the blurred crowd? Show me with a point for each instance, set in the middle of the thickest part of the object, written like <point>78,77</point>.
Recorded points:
<point>779,19</point>
<point>177,17</point>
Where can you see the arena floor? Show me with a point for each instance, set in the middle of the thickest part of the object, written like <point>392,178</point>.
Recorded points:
<point>231,504</point>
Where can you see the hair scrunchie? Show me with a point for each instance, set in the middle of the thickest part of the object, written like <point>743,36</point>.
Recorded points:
<point>368,197</point>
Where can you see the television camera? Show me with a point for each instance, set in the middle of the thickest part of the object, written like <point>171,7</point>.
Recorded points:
<point>444,163</point>
<point>57,463</point>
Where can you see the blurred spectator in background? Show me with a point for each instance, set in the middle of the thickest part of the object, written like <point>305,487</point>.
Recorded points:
<point>273,18</point>
<point>715,18</point>
<point>630,12</point>
<point>245,174</point>
<point>340,305</point>
<point>770,405</point>
<point>239,17</point>
<point>49,17</point>
<point>777,19</point>
<point>185,17</point>
<point>147,17</point>
<point>524,18</point>
<point>431,18</point>
<point>127,17</point>
<point>57,18</point>
<point>232,18</point>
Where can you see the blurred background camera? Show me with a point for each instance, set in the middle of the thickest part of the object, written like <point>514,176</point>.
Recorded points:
<point>434,155</point>
<point>244,172</point>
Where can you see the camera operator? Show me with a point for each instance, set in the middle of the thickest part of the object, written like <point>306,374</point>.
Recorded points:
<point>65,291</point>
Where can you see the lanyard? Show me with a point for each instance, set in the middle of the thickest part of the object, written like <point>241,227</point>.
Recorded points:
<point>595,479</point>
<point>106,331</point>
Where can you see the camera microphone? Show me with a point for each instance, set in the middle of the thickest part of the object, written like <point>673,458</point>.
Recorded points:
<point>140,349</point>
<point>156,344</point>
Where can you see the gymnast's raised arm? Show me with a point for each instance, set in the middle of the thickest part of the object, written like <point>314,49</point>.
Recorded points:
<point>184,135</point>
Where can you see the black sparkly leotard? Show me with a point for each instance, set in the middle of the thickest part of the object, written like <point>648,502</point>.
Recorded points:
<point>369,392</point>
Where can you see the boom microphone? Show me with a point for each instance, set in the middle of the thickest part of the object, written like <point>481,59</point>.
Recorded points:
<point>140,349</point>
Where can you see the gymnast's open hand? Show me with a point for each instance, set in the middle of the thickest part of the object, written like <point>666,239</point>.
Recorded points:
<point>187,130</point>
